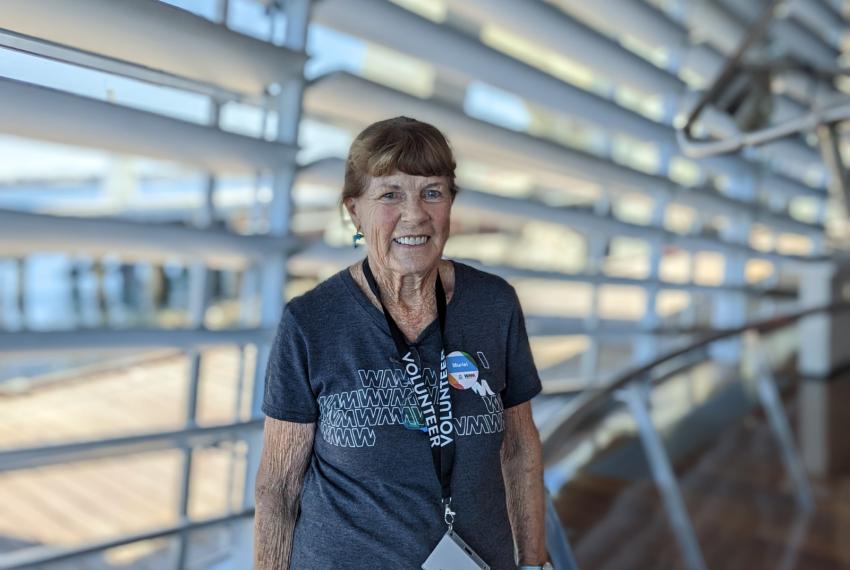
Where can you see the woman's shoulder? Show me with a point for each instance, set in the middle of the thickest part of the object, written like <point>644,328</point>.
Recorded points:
<point>483,285</point>
<point>315,301</point>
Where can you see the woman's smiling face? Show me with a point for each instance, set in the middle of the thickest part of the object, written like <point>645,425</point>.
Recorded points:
<point>405,220</point>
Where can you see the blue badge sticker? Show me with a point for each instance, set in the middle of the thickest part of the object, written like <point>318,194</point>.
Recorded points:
<point>463,372</point>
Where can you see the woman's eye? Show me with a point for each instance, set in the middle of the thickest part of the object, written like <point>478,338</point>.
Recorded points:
<point>433,194</point>
<point>389,195</point>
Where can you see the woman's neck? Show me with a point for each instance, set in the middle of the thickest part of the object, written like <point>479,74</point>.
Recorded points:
<point>410,291</point>
<point>411,302</point>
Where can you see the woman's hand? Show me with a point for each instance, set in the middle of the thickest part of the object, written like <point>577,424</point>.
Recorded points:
<point>522,470</point>
<point>287,448</point>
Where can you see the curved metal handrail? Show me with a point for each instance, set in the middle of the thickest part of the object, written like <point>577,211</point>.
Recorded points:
<point>589,401</point>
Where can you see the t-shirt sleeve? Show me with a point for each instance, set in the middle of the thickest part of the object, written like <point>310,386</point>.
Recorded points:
<point>288,394</point>
<point>522,382</point>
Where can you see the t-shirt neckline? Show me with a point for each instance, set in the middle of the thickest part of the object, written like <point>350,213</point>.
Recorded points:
<point>378,316</point>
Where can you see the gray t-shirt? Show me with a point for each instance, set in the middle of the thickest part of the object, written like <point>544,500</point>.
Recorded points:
<point>371,496</point>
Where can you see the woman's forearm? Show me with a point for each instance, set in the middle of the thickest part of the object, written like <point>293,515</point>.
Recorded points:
<point>286,453</point>
<point>274,526</point>
<point>526,510</point>
<point>522,469</point>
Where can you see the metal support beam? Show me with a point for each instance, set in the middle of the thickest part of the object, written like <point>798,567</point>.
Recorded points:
<point>22,233</point>
<point>795,39</point>
<point>11,314</point>
<point>156,35</point>
<point>355,101</point>
<point>819,19</point>
<point>37,557</point>
<point>838,184</point>
<point>771,402</point>
<point>57,454</point>
<point>185,480</point>
<point>596,221</point>
<point>635,396</point>
<point>273,276</point>
<point>548,26</point>
<point>104,339</point>
<point>52,115</point>
<point>697,63</point>
<point>645,347</point>
<point>199,298</point>
<point>589,364</point>
<point>55,52</point>
<point>552,28</point>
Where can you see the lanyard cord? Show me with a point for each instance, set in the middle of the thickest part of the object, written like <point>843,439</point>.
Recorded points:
<point>438,415</point>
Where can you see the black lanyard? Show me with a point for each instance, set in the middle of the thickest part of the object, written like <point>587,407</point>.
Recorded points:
<point>437,415</point>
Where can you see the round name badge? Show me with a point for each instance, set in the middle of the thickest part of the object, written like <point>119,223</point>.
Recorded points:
<point>463,373</point>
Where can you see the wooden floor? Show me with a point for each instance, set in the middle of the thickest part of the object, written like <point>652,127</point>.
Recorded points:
<point>73,504</point>
<point>739,501</point>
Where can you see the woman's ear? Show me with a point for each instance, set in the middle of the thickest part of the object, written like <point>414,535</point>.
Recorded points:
<point>351,207</point>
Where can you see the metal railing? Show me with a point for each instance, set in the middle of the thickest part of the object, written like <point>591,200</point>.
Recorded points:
<point>189,439</point>
<point>632,388</point>
<point>35,557</point>
<point>29,458</point>
<point>233,67</point>
<point>159,44</point>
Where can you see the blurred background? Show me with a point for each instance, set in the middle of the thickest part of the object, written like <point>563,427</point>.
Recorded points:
<point>661,180</point>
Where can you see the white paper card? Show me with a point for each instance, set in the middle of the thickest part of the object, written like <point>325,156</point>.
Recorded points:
<point>452,553</point>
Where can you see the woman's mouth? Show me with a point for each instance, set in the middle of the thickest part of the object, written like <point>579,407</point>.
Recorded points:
<point>411,240</point>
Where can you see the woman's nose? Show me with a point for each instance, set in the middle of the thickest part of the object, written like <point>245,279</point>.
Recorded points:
<point>413,210</point>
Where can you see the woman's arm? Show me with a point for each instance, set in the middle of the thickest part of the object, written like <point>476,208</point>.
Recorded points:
<point>287,448</point>
<point>522,469</point>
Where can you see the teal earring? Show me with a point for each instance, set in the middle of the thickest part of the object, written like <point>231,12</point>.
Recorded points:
<point>356,237</point>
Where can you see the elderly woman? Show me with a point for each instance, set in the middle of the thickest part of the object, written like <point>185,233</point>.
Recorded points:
<point>418,373</point>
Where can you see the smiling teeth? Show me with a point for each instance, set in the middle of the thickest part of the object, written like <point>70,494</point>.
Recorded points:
<point>411,240</point>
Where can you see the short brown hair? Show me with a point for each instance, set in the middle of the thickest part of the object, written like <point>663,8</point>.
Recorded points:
<point>402,144</point>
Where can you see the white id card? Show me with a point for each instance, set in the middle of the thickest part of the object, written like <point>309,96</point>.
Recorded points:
<point>452,553</point>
